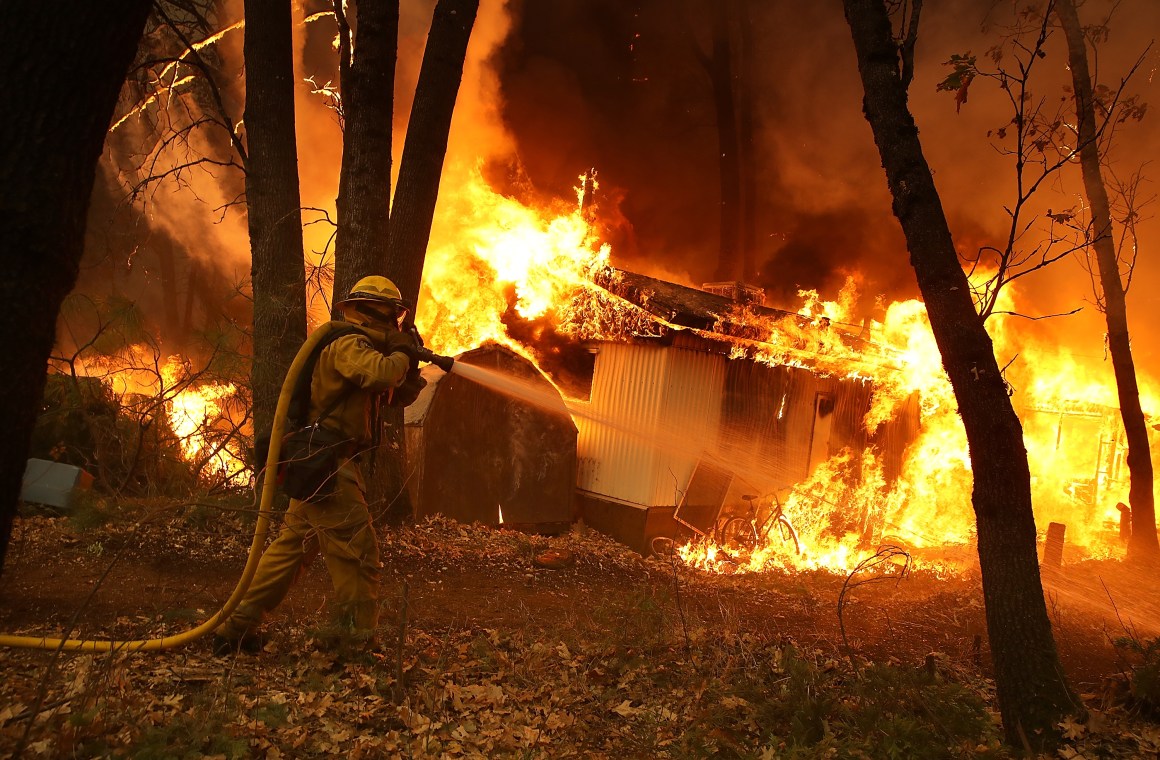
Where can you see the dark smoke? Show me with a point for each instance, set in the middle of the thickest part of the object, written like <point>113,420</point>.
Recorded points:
<point>617,85</point>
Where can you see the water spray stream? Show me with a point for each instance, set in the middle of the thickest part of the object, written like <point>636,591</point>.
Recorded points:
<point>660,436</point>
<point>760,471</point>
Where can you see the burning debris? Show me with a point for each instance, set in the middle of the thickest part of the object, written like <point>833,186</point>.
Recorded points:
<point>143,424</point>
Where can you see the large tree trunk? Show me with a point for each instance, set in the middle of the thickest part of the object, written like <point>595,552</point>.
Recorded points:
<point>367,81</point>
<point>720,67</point>
<point>420,170</point>
<point>277,271</point>
<point>426,145</point>
<point>1033,694</point>
<point>1143,543</point>
<point>747,144</point>
<point>63,63</point>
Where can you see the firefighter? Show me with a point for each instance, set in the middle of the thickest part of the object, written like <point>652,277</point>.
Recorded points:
<point>362,367</point>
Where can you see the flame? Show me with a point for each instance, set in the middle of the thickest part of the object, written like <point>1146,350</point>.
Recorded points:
<point>1075,446</point>
<point>499,257</point>
<point>500,262</point>
<point>197,411</point>
<point>194,412</point>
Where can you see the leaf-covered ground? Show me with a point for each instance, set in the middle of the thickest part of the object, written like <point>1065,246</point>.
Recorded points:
<point>483,652</point>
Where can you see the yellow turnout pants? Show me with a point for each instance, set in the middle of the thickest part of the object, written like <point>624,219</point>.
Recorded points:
<point>349,545</point>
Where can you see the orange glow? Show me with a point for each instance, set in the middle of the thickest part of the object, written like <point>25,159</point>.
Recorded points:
<point>198,412</point>
<point>194,412</point>
<point>545,258</point>
<point>497,259</point>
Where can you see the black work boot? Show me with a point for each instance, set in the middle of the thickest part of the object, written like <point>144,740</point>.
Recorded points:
<point>249,642</point>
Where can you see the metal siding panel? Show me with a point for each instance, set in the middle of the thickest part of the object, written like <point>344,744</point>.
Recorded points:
<point>626,394</point>
<point>678,396</point>
<point>690,415</point>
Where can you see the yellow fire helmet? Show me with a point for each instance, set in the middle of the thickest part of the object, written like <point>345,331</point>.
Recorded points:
<point>375,290</point>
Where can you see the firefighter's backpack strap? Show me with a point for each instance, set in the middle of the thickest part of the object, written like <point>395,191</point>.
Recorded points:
<point>298,416</point>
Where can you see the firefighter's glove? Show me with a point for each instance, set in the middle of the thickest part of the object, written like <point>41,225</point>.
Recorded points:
<point>403,343</point>
<point>413,385</point>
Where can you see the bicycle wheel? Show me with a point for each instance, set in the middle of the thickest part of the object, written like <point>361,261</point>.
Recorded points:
<point>788,534</point>
<point>739,532</point>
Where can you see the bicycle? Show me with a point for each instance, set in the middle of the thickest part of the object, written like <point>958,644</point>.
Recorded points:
<point>752,530</point>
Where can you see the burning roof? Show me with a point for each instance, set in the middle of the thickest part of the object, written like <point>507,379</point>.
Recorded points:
<point>741,329</point>
<point>678,304</point>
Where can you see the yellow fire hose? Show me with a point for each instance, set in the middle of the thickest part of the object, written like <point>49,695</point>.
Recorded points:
<point>261,528</point>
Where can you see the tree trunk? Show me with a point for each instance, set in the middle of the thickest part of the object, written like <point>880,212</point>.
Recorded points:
<point>278,272</point>
<point>367,81</point>
<point>747,145</point>
<point>1143,543</point>
<point>426,145</point>
<point>1033,694</point>
<point>720,67</point>
<point>412,212</point>
<point>63,63</point>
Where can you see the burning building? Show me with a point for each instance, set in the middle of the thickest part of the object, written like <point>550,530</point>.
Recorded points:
<point>696,407</point>
<point>1086,443</point>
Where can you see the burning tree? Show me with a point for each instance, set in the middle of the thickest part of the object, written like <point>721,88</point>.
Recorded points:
<point>141,421</point>
<point>1033,694</point>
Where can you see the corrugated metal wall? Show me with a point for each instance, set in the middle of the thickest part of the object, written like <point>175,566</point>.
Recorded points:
<point>761,420</point>
<point>626,395</point>
<point>691,414</point>
<point>654,409</point>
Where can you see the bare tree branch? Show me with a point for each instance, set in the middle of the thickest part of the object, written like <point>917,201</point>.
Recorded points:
<point>195,57</point>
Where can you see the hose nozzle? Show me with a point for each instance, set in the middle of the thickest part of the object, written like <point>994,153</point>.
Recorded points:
<point>442,362</point>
